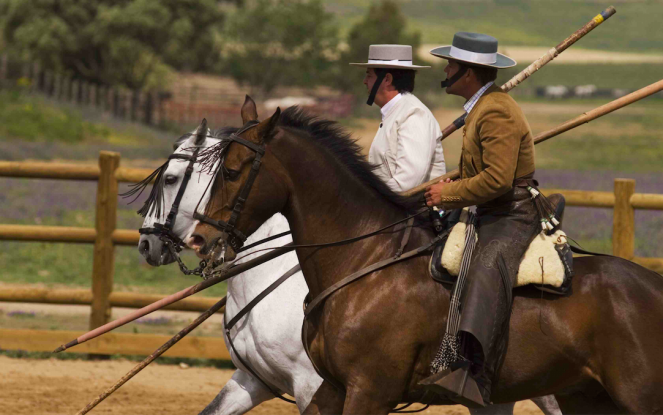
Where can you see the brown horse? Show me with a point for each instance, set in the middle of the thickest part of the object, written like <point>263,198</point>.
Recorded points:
<point>597,350</point>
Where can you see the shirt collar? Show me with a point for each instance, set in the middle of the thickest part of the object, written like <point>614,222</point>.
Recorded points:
<point>389,105</point>
<point>472,101</point>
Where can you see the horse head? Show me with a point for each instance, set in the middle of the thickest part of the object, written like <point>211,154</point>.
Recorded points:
<point>168,182</point>
<point>247,189</point>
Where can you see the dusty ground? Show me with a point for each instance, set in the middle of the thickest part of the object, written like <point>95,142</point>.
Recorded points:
<point>53,387</point>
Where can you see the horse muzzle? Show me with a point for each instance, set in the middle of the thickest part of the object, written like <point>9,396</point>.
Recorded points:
<point>155,252</point>
<point>216,250</point>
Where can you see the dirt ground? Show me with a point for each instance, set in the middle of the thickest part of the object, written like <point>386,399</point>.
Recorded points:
<point>35,387</point>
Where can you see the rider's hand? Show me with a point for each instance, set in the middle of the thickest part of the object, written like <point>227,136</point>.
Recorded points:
<point>433,193</point>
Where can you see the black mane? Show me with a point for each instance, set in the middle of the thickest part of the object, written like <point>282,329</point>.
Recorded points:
<point>337,141</point>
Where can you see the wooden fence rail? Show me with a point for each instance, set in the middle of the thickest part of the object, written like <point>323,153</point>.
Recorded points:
<point>105,237</point>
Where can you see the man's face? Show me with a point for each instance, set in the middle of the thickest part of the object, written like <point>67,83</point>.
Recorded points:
<point>370,78</point>
<point>451,69</point>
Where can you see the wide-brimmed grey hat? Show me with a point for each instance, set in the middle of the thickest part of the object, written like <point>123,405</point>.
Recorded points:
<point>476,49</point>
<point>390,56</point>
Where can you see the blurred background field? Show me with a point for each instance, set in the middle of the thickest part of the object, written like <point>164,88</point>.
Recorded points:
<point>620,56</point>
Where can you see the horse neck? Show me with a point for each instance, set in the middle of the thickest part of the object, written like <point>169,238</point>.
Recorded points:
<point>327,203</point>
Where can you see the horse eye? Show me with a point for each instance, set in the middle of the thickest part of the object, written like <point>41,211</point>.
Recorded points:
<point>232,175</point>
<point>170,179</point>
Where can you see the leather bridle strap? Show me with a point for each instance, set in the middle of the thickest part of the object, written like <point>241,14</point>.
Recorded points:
<point>320,298</point>
<point>166,229</point>
<point>170,219</point>
<point>244,311</point>
<point>235,237</point>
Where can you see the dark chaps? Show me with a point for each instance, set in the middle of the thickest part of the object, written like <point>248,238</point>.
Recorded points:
<point>506,227</point>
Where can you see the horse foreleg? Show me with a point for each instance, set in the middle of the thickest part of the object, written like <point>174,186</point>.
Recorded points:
<point>326,400</point>
<point>497,409</point>
<point>548,405</point>
<point>587,403</point>
<point>241,394</point>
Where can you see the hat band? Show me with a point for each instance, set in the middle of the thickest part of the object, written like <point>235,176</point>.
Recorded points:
<point>390,62</point>
<point>475,57</point>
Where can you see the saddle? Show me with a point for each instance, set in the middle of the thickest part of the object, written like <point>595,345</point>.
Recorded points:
<point>547,263</point>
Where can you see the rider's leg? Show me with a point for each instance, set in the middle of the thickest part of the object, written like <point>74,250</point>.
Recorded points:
<point>241,394</point>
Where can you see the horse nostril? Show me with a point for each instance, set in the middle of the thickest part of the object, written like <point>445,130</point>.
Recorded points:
<point>196,241</point>
<point>144,247</point>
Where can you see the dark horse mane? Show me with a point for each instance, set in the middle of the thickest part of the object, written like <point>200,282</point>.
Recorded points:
<point>338,142</point>
<point>333,138</point>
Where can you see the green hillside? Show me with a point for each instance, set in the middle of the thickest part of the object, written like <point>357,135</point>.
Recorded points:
<point>635,27</point>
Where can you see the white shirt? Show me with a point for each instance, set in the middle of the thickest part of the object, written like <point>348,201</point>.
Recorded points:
<point>405,148</point>
<point>389,105</point>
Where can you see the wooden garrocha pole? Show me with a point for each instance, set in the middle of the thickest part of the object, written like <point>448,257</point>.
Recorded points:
<point>582,119</point>
<point>231,272</point>
<point>539,63</point>
<point>161,350</point>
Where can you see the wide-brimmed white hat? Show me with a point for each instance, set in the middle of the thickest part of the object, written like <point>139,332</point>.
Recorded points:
<point>476,49</point>
<point>390,56</point>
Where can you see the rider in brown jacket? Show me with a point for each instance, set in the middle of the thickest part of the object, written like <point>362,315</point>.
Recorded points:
<point>497,166</point>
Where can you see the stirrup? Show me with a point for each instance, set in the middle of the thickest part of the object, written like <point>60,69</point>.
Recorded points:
<point>456,385</point>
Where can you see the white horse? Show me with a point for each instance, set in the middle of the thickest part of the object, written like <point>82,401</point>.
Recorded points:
<point>269,337</point>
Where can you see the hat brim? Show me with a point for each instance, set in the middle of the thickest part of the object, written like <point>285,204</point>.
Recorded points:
<point>501,62</point>
<point>390,66</point>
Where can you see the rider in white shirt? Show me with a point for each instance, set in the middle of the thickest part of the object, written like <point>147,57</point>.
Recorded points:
<point>406,148</point>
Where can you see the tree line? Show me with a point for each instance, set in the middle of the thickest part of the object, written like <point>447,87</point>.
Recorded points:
<point>139,44</point>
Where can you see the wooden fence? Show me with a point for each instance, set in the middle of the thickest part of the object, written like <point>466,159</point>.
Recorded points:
<point>101,298</point>
<point>105,237</point>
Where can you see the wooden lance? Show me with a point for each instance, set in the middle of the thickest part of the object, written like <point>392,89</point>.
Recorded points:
<point>582,119</point>
<point>539,63</point>
<point>231,272</point>
<point>161,350</point>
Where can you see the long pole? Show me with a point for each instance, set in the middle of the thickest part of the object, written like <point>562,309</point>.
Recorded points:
<point>582,119</point>
<point>161,350</point>
<point>177,296</point>
<point>539,63</point>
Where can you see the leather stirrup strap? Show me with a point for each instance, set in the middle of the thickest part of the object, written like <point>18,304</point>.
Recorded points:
<point>349,279</point>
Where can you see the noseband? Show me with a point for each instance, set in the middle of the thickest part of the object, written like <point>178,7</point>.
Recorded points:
<point>234,237</point>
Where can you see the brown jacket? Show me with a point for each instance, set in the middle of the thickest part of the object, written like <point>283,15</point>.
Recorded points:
<point>497,149</point>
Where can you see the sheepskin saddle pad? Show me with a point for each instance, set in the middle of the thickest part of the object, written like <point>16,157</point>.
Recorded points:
<point>547,264</point>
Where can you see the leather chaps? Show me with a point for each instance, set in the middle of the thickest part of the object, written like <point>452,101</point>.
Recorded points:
<point>506,227</point>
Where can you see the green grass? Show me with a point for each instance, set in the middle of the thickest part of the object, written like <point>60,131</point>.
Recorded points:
<point>62,264</point>
<point>604,76</point>
<point>32,119</point>
<point>35,127</point>
<point>524,22</point>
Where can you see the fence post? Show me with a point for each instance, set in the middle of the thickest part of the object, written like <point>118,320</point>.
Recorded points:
<point>623,222</point>
<point>104,251</point>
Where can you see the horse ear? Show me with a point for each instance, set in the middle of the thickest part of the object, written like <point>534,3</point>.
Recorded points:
<point>249,111</point>
<point>266,127</point>
<point>201,133</point>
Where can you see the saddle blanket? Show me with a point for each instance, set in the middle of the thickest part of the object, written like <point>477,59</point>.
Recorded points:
<point>542,264</point>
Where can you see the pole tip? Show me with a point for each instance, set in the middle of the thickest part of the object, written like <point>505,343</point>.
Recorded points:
<point>59,349</point>
<point>66,346</point>
<point>608,12</point>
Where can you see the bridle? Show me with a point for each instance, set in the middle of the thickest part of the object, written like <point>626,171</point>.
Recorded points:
<point>234,237</point>
<point>165,230</point>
